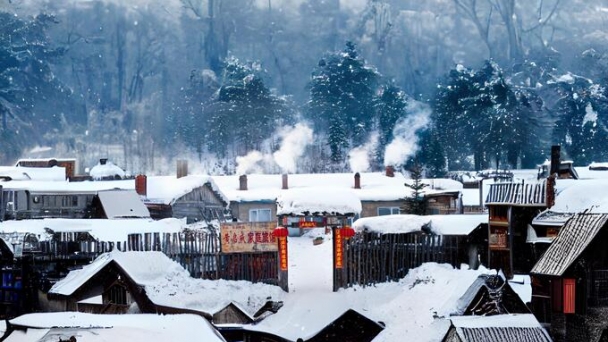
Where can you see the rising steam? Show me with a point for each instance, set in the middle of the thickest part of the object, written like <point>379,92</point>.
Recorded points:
<point>405,140</point>
<point>248,163</point>
<point>294,142</point>
<point>358,157</point>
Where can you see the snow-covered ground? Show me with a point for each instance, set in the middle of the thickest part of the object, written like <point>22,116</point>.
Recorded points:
<point>411,309</point>
<point>407,307</point>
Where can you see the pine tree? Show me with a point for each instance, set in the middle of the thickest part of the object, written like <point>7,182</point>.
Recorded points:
<point>432,155</point>
<point>480,113</point>
<point>245,111</point>
<point>415,203</point>
<point>27,82</point>
<point>341,102</point>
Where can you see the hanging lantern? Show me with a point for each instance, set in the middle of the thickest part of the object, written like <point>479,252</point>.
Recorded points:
<point>348,232</point>
<point>281,232</point>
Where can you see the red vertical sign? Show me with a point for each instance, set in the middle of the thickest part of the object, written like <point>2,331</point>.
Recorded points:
<point>569,296</point>
<point>283,253</point>
<point>338,248</point>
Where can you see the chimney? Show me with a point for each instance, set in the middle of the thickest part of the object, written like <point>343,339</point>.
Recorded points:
<point>555,150</point>
<point>285,183</point>
<point>357,181</point>
<point>243,182</point>
<point>550,192</point>
<point>182,168</point>
<point>390,171</point>
<point>103,161</point>
<point>141,185</point>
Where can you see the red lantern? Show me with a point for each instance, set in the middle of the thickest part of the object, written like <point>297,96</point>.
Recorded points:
<point>281,232</point>
<point>348,232</point>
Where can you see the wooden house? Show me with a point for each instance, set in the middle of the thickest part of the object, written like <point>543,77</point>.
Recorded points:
<point>232,314</point>
<point>504,328</point>
<point>38,199</point>
<point>193,197</point>
<point>490,294</point>
<point>511,208</point>
<point>76,326</point>
<point>107,278</point>
<point>351,326</point>
<point>128,282</point>
<point>570,281</point>
<point>239,333</point>
<point>252,197</point>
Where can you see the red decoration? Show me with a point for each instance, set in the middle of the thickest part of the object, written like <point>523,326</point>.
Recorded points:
<point>281,232</point>
<point>348,232</point>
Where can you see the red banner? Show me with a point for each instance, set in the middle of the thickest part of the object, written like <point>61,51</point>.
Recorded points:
<point>308,224</point>
<point>283,253</point>
<point>247,237</point>
<point>338,248</point>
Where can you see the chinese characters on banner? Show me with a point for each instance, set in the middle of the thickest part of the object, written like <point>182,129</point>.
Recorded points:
<point>244,237</point>
<point>338,248</point>
<point>283,253</point>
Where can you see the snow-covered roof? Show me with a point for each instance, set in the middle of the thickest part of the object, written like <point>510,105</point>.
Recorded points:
<point>507,320</point>
<point>507,328</point>
<point>407,306</point>
<point>68,187</point>
<point>167,189</point>
<point>550,218</point>
<point>522,285</point>
<point>55,173</point>
<point>122,204</point>
<point>440,224</point>
<point>575,196</point>
<point>375,186</point>
<point>168,284</point>
<point>107,169</point>
<point>593,171</point>
<point>97,328</point>
<point>109,230</point>
<point>571,241</point>
<point>143,267</point>
<point>318,201</point>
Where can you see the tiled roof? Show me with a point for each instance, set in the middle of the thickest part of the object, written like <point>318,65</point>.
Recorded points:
<point>570,242</point>
<point>517,194</point>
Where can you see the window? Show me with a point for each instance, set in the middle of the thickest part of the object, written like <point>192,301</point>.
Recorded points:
<point>117,294</point>
<point>69,201</point>
<point>259,215</point>
<point>388,211</point>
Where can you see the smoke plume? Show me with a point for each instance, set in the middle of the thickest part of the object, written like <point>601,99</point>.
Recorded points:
<point>248,163</point>
<point>294,142</point>
<point>405,140</point>
<point>358,157</point>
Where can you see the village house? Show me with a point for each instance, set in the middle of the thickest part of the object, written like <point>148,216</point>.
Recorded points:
<point>252,197</point>
<point>570,281</point>
<point>511,208</point>
<point>38,199</point>
<point>142,282</point>
<point>76,326</point>
<point>193,197</point>
<point>506,327</point>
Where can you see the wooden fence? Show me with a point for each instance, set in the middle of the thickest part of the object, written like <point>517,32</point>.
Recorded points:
<point>372,258</point>
<point>197,251</point>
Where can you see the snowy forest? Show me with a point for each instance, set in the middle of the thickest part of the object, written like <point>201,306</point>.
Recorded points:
<point>304,85</point>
